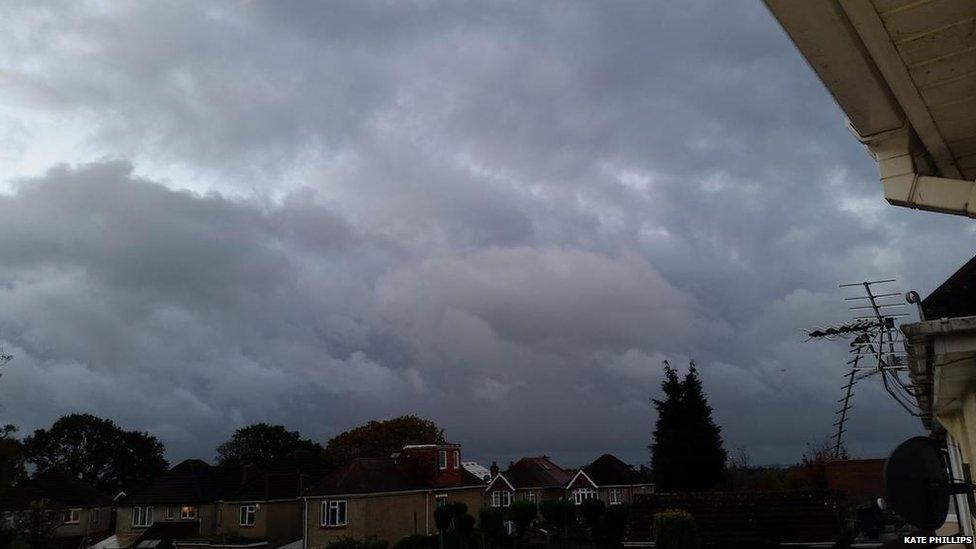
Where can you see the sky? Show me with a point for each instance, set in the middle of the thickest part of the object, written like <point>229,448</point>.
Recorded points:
<point>502,216</point>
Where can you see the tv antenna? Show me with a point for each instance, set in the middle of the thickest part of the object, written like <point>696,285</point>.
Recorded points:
<point>876,349</point>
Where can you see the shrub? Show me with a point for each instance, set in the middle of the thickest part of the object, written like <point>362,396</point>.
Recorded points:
<point>558,513</point>
<point>492,523</point>
<point>675,530</point>
<point>417,541</point>
<point>615,522</point>
<point>593,511</point>
<point>353,543</point>
<point>522,513</point>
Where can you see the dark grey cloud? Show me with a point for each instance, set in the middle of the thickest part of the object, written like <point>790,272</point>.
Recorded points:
<point>500,215</point>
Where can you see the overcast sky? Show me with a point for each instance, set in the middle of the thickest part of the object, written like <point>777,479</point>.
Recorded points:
<point>499,215</point>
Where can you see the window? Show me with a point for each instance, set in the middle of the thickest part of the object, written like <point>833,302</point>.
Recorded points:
<point>581,494</point>
<point>509,527</point>
<point>170,513</point>
<point>442,459</point>
<point>142,516</point>
<point>530,496</point>
<point>440,500</point>
<point>501,498</point>
<point>457,459</point>
<point>220,515</point>
<point>247,515</point>
<point>614,496</point>
<point>334,513</point>
<point>188,512</point>
<point>93,516</point>
<point>71,516</point>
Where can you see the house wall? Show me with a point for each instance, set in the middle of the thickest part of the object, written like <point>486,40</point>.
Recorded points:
<point>84,526</point>
<point>206,516</point>
<point>280,521</point>
<point>388,517</point>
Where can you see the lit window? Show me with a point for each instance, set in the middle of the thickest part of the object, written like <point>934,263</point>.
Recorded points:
<point>501,498</point>
<point>247,515</point>
<point>334,513</point>
<point>442,459</point>
<point>93,516</point>
<point>142,516</point>
<point>188,512</point>
<point>615,496</point>
<point>71,516</point>
<point>581,494</point>
<point>440,500</point>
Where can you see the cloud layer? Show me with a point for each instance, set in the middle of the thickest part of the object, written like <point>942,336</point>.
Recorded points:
<point>501,216</point>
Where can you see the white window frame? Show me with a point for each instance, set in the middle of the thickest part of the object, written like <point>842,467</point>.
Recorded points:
<point>147,516</point>
<point>440,500</point>
<point>71,516</point>
<point>509,527</point>
<point>614,496</point>
<point>337,505</point>
<point>582,494</point>
<point>94,516</point>
<point>457,459</point>
<point>530,496</point>
<point>247,515</point>
<point>442,459</point>
<point>170,513</point>
<point>501,498</point>
<point>186,514</point>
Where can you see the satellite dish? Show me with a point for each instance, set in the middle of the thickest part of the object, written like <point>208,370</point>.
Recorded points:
<point>916,483</point>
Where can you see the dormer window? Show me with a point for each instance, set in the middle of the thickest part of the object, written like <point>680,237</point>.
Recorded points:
<point>442,459</point>
<point>457,459</point>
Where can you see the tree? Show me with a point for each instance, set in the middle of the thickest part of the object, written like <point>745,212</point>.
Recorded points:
<point>687,452</point>
<point>96,451</point>
<point>38,525</point>
<point>262,444</point>
<point>558,513</point>
<point>666,451</point>
<point>522,513</point>
<point>593,511</point>
<point>11,459</point>
<point>379,439</point>
<point>707,457</point>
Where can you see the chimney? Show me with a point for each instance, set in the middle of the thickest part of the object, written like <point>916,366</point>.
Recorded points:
<point>493,469</point>
<point>511,464</point>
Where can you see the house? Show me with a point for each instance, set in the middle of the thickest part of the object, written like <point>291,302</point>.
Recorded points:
<point>608,479</point>
<point>859,481</point>
<point>84,513</point>
<point>389,498</point>
<point>901,70</point>
<point>267,508</point>
<point>537,479</point>
<point>186,495</point>
<point>530,479</point>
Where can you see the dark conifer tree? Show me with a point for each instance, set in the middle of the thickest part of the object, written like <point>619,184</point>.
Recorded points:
<point>667,447</point>
<point>706,454</point>
<point>687,452</point>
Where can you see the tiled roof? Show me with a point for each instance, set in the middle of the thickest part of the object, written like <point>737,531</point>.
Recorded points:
<point>286,479</point>
<point>60,490</point>
<point>859,480</point>
<point>956,297</point>
<point>369,476</point>
<point>162,534</point>
<point>607,470</point>
<point>779,517</point>
<point>536,472</point>
<point>191,481</point>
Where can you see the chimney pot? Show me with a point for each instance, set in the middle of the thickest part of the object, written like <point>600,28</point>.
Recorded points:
<point>493,469</point>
